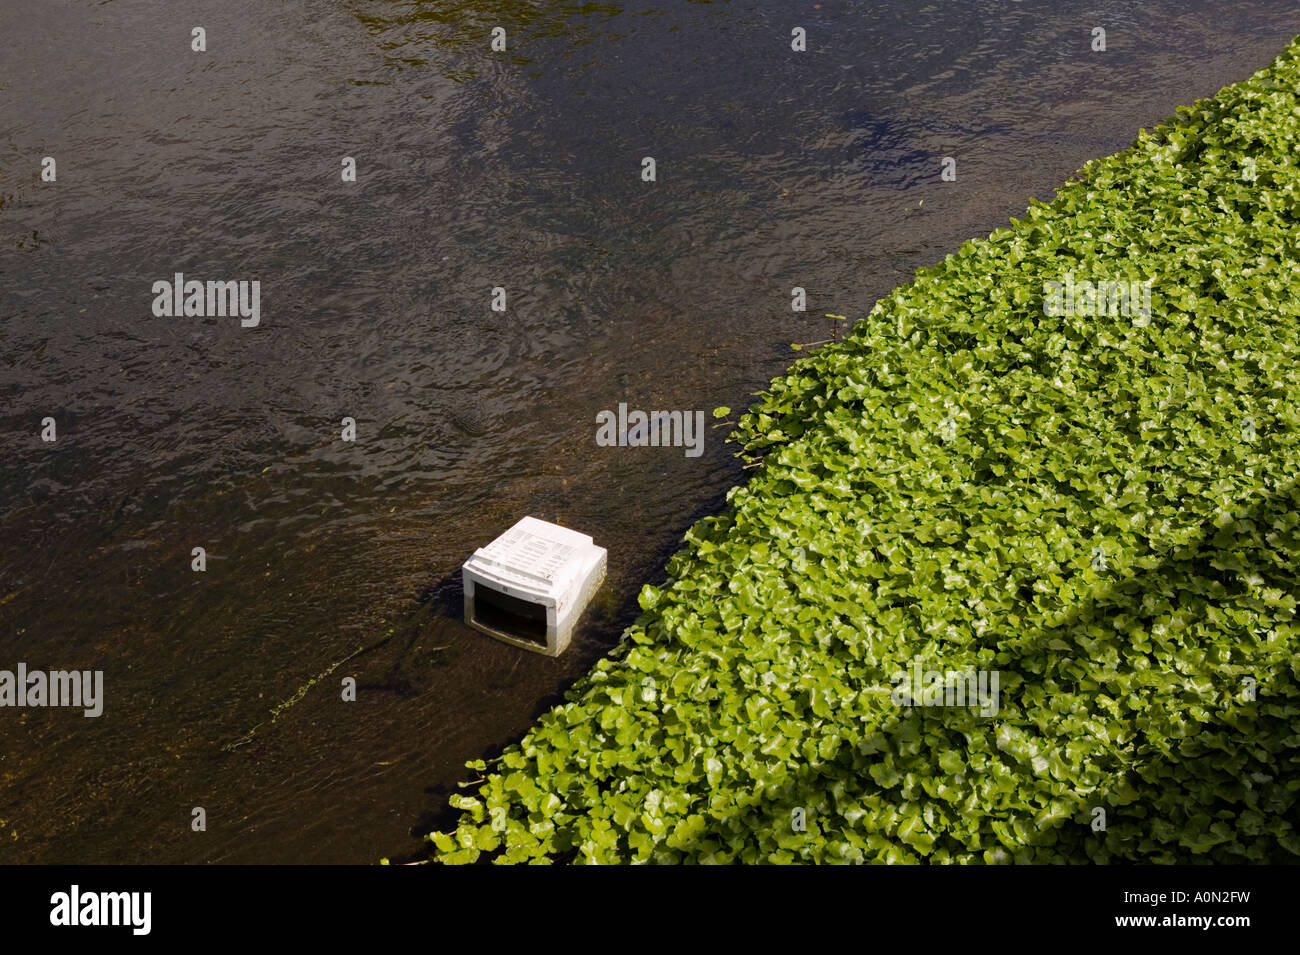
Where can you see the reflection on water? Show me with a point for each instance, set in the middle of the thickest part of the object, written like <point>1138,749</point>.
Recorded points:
<point>475,170</point>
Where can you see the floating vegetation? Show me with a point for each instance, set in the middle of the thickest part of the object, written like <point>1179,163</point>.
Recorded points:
<point>1099,508</point>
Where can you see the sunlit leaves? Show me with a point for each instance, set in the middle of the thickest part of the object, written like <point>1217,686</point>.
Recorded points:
<point>942,494</point>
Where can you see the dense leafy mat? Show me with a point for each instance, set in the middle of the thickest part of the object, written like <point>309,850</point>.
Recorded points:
<point>1101,509</point>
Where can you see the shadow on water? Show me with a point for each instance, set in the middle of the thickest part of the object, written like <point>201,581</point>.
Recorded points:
<point>475,171</point>
<point>609,615</point>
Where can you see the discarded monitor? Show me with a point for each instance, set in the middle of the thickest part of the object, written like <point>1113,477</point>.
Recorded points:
<point>530,585</point>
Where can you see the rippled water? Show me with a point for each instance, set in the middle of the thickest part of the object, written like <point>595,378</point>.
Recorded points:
<point>475,170</point>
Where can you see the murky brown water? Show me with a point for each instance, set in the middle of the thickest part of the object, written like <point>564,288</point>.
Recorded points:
<point>475,170</point>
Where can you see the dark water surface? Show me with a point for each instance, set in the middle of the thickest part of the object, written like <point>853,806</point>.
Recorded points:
<point>475,169</point>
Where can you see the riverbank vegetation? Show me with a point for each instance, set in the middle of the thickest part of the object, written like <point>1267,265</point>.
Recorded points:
<point>1099,507</point>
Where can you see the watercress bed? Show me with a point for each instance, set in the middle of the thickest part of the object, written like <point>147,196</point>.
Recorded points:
<point>1100,509</point>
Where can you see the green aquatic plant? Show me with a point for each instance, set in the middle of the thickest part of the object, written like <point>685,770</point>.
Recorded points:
<point>1099,507</point>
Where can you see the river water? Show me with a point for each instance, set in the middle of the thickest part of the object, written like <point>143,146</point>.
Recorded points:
<point>475,169</point>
